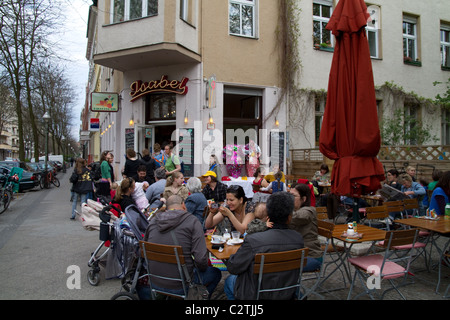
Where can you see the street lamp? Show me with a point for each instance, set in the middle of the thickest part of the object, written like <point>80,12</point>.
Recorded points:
<point>46,118</point>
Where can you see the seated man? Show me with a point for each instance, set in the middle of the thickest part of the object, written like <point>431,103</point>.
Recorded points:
<point>188,232</point>
<point>155,191</point>
<point>242,283</point>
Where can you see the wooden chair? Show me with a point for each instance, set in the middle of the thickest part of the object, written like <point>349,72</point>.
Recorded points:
<point>171,255</point>
<point>410,204</point>
<point>274,262</point>
<point>381,267</point>
<point>322,213</point>
<point>395,208</point>
<point>378,217</point>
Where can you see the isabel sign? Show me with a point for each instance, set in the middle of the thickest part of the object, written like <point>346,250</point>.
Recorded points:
<point>140,89</point>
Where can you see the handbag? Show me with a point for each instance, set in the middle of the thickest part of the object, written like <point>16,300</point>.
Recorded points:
<point>196,291</point>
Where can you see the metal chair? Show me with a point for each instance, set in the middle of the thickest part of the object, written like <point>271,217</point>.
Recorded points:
<point>373,269</point>
<point>325,229</point>
<point>274,262</point>
<point>410,204</point>
<point>395,208</point>
<point>169,254</point>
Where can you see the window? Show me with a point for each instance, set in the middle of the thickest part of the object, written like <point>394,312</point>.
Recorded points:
<point>241,110</point>
<point>161,107</point>
<point>445,127</point>
<point>445,46</point>
<point>124,10</point>
<point>242,18</point>
<point>320,103</point>
<point>322,11</point>
<point>411,124</point>
<point>373,31</point>
<point>410,39</point>
<point>187,11</point>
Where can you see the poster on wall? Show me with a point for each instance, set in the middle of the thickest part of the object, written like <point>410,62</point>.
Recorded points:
<point>104,102</point>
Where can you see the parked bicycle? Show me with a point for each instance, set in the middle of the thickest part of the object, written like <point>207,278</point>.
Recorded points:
<point>6,191</point>
<point>47,179</point>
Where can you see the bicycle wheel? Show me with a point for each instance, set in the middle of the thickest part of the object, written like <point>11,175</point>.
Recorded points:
<point>55,182</point>
<point>5,200</point>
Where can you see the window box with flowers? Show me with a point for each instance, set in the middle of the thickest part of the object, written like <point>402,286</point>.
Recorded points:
<point>411,62</point>
<point>323,47</point>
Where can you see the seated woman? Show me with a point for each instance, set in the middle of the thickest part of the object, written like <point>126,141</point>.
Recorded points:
<point>175,186</point>
<point>392,179</point>
<point>196,202</point>
<point>123,193</point>
<point>276,185</point>
<point>235,216</point>
<point>304,221</point>
<point>441,194</point>
<point>412,189</point>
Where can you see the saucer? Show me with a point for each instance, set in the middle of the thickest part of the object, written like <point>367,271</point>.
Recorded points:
<point>231,241</point>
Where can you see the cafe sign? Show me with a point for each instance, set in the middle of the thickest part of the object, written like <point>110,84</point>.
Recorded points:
<point>140,88</point>
<point>104,102</point>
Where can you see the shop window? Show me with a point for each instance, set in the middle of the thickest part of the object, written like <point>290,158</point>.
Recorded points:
<point>161,107</point>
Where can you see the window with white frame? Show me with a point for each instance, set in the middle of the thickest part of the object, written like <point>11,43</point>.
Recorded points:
<point>445,45</point>
<point>124,10</point>
<point>373,30</point>
<point>186,11</point>
<point>242,18</point>
<point>322,11</point>
<point>410,39</point>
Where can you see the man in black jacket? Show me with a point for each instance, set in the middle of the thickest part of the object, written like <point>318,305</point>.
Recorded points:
<point>242,283</point>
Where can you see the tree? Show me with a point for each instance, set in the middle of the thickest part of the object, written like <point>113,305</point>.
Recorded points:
<point>25,27</point>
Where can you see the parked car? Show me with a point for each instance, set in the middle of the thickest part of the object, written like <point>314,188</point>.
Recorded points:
<point>28,181</point>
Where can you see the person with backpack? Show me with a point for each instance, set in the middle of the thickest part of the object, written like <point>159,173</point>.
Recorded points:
<point>82,181</point>
<point>173,163</point>
<point>150,165</point>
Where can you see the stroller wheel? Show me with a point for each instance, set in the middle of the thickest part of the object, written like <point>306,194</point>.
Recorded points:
<point>93,277</point>
<point>124,296</point>
<point>127,280</point>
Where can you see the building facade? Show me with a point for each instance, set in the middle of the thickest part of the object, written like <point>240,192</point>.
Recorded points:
<point>189,71</point>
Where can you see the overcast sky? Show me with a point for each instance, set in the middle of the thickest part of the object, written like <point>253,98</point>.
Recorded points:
<point>73,44</point>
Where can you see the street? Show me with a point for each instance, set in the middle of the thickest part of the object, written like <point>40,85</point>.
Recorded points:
<point>38,243</point>
<point>44,254</point>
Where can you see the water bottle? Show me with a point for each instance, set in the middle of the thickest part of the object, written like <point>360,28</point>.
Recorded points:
<point>447,211</point>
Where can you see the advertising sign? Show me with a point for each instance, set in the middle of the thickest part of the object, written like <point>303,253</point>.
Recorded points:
<point>104,102</point>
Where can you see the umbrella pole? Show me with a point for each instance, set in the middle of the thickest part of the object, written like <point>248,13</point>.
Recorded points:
<point>355,210</point>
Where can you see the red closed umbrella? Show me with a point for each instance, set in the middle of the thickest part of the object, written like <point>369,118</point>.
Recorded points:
<point>350,132</point>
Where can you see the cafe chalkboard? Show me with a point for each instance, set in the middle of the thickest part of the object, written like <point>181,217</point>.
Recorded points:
<point>129,138</point>
<point>186,150</point>
<point>277,149</point>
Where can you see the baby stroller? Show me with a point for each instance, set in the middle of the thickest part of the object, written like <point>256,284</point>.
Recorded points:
<point>95,217</point>
<point>138,223</point>
<point>128,231</point>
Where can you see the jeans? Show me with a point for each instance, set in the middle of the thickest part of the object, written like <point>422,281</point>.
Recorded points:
<point>83,196</point>
<point>311,265</point>
<point>210,278</point>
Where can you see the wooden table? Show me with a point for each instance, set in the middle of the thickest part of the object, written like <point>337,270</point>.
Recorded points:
<point>369,234</point>
<point>441,226</point>
<point>437,227</point>
<point>228,250</point>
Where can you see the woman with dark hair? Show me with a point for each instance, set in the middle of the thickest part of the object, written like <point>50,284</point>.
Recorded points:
<point>392,179</point>
<point>441,194</point>
<point>238,212</point>
<point>304,221</point>
<point>82,184</point>
<point>123,193</point>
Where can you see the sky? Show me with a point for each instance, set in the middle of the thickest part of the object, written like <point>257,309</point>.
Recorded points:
<point>73,47</point>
